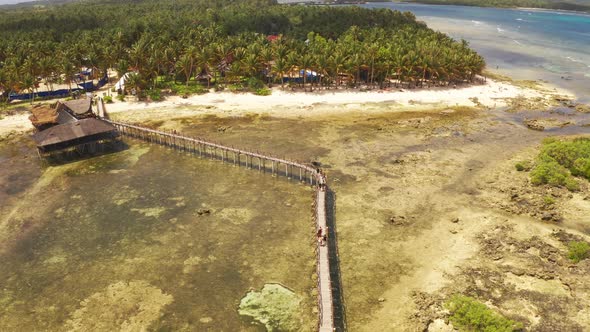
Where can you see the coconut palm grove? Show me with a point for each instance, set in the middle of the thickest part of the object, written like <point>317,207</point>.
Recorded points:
<point>189,46</point>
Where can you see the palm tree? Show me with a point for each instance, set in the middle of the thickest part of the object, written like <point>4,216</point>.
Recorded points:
<point>5,83</point>
<point>138,52</point>
<point>292,61</point>
<point>356,61</point>
<point>29,74</point>
<point>68,70</point>
<point>267,56</point>
<point>186,63</point>
<point>371,53</point>
<point>323,63</point>
<point>205,60</point>
<point>250,65</point>
<point>306,62</point>
<point>28,83</point>
<point>222,56</point>
<point>46,68</point>
<point>281,67</point>
<point>135,81</point>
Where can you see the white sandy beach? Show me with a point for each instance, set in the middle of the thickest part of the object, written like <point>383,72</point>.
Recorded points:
<point>295,104</point>
<point>492,94</point>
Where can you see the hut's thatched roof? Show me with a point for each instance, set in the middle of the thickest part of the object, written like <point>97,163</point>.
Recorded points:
<point>79,106</point>
<point>71,131</point>
<point>43,115</point>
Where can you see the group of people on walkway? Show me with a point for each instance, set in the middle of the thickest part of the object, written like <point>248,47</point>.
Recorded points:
<point>322,180</point>
<point>322,236</point>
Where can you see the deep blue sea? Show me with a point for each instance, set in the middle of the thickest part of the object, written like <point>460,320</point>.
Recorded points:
<point>521,43</point>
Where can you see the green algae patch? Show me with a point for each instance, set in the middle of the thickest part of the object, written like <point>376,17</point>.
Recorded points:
<point>468,314</point>
<point>132,306</point>
<point>275,306</point>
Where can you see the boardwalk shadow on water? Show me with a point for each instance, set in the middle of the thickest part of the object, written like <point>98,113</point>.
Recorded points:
<point>335,276</point>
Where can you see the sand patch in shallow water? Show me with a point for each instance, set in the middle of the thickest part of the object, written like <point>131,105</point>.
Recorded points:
<point>132,306</point>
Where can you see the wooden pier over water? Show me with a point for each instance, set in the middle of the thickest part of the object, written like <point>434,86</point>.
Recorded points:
<point>263,163</point>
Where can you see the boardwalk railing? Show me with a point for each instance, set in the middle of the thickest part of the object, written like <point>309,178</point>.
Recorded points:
<point>264,163</point>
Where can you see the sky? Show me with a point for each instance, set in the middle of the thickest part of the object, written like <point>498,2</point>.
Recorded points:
<point>6,2</point>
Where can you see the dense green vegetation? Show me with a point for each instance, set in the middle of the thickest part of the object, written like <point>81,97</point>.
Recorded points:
<point>560,160</point>
<point>468,314</point>
<point>578,251</point>
<point>223,42</point>
<point>579,5</point>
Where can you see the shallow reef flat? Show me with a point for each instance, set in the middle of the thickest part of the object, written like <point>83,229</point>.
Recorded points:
<point>423,198</point>
<point>149,238</point>
<point>420,203</point>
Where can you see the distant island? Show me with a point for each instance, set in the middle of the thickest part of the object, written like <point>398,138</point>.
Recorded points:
<point>572,5</point>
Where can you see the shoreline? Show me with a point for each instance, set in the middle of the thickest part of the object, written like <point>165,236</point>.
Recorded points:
<point>492,94</point>
<point>550,10</point>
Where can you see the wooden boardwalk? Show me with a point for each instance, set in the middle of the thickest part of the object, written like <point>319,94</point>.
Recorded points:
<point>323,266</point>
<point>264,163</point>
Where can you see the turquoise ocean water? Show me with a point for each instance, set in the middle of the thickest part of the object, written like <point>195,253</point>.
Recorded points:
<point>521,43</point>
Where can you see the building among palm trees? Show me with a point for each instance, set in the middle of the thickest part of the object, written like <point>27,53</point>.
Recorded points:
<point>71,127</point>
<point>83,136</point>
<point>45,117</point>
<point>79,108</point>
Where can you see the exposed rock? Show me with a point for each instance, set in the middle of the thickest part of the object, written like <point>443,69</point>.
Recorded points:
<point>439,325</point>
<point>455,220</point>
<point>204,212</point>
<point>550,216</point>
<point>428,309</point>
<point>397,220</point>
<point>534,125</point>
